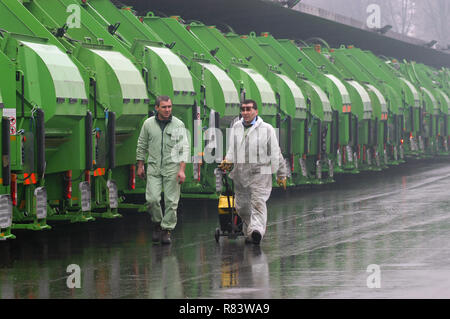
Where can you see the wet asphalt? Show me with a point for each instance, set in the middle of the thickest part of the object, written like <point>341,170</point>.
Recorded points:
<point>372,235</point>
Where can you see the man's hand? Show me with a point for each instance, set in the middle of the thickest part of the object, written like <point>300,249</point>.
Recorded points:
<point>225,166</point>
<point>281,181</point>
<point>141,170</point>
<point>181,177</point>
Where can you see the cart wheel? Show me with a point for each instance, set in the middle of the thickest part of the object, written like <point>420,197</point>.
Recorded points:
<point>217,234</point>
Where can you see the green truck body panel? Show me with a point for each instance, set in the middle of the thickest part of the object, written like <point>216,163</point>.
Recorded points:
<point>80,77</point>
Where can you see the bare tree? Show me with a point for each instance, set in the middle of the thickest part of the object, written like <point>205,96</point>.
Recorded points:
<point>398,13</point>
<point>349,8</point>
<point>434,22</point>
<point>402,14</point>
<point>425,19</point>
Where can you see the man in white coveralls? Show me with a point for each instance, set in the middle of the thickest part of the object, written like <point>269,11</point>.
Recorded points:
<point>255,154</point>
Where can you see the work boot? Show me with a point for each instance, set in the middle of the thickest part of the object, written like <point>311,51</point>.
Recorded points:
<point>256,237</point>
<point>165,237</point>
<point>156,234</point>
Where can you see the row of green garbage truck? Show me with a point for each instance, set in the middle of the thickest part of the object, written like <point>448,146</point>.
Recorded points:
<point>79,77</point>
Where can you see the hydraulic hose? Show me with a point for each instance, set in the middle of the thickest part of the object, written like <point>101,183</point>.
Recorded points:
<point>111,129</point>
<point>350,127</point>
<point>306,136</point>
<point>445,126</point>
<point>88,134</point>
<point>402,121</point>
<point>375,132</point>
<point>385,132</point>
<point>40,139</point>
<point>335,132</point>
<point>396,137</point>
<point>278,125</point>
<point>289,136</point>
<point>319,138</point>
<point>6,150</point>
<point>216,120</point>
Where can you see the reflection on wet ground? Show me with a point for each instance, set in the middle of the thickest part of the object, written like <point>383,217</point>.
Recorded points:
<point>319,244</point>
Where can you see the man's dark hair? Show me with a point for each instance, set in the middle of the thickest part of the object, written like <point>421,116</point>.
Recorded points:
<point>161,98</point>
<point>254,105</point>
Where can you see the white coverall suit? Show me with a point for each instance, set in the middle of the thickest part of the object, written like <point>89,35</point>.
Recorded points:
<point>256,155</point>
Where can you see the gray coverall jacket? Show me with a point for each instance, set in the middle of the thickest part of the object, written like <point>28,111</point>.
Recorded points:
<point>163,150</point>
